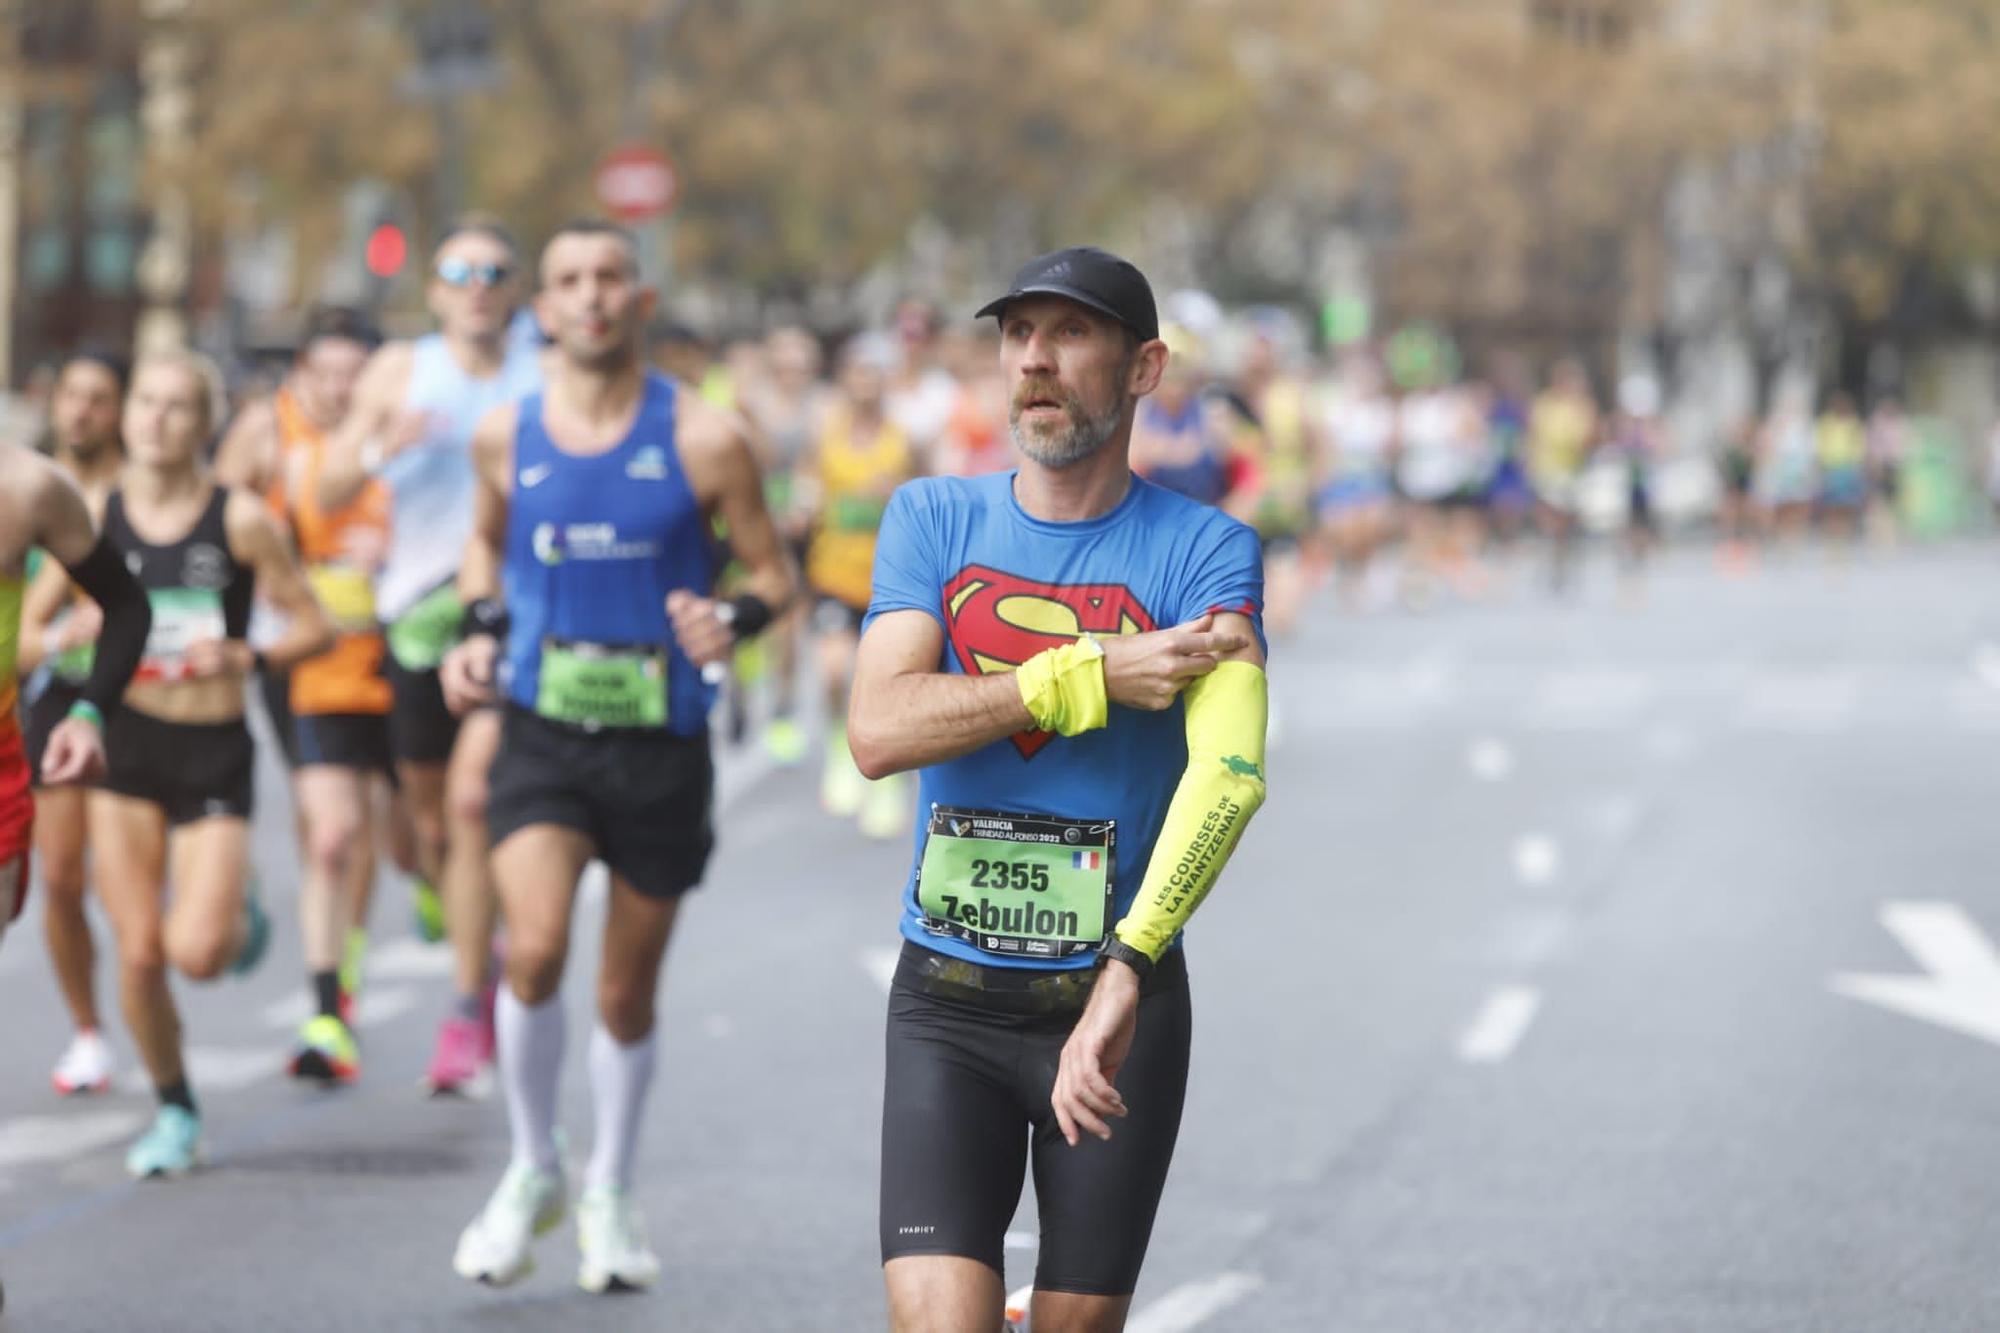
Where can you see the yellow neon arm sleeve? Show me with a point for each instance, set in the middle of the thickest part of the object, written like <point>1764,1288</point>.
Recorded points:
<point>1221,789</point>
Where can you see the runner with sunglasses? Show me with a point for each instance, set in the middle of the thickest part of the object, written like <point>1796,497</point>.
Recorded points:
<point>411,429</point>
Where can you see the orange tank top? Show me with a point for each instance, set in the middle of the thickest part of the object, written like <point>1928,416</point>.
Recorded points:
<point>342,551</point>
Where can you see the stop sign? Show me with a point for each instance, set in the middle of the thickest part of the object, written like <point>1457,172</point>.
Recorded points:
<point>636,183</point>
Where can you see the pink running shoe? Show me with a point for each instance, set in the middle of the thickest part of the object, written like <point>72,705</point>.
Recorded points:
<point>460,1064</point>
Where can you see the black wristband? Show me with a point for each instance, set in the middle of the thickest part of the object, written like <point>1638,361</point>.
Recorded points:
<point>1118,951</point>
<point>747,615</point>
<point>483,615</point>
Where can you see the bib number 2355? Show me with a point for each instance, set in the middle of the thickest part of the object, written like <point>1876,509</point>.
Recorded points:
<point>1025,886</point>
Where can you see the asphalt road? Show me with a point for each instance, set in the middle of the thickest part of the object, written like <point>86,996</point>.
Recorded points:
<point>1538,998</point>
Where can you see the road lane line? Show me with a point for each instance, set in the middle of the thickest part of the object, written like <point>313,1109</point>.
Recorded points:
<point>379,1005</point>
<point>407,958</point>
<point>1189,1305</point>
<point>50,1138</point>
<point>1503,1020</point>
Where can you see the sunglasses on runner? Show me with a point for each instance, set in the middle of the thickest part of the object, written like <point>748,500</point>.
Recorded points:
<point>463,273</point>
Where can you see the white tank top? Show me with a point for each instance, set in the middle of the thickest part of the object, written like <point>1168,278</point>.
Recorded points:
<point>431,483</point>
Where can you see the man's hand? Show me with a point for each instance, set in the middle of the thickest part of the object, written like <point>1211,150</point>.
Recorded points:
<point>404,430</point>
<point>467,673</point>
<point>701,633</point>
<point>207,658</point>
<point>75,753</point>
<point>1149,670</point>
<point>1084,1096</point>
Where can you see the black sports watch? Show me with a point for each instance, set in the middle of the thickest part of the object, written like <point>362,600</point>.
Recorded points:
<point>1117,950</point>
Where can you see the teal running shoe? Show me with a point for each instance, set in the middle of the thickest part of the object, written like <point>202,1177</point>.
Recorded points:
<point>170,1148</point>
<point>256,932</point>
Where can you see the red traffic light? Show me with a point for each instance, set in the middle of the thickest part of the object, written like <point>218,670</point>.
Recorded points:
<point>387,249</point>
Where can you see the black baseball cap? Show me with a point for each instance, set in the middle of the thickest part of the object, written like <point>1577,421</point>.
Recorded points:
<point>1089,276</point>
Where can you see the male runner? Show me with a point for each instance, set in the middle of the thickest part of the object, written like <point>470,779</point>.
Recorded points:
<point>595,504</point>
<point>40,507</point>
<point>411,429</point>
<point>83,426</point>
<point>178,788</point>
<point>1080,795</point>
<point>332,712</point>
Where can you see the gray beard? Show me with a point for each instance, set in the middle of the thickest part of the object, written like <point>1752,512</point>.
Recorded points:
<point>1079,440</point>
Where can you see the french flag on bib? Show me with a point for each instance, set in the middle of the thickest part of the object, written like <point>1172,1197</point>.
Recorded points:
<point>1086,860</point>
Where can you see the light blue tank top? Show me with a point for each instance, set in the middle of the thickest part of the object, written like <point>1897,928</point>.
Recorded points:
<point>431,483</point>
<point>594,545</point>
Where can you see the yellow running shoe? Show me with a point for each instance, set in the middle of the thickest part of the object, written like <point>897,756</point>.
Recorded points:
<point>327,1053</point>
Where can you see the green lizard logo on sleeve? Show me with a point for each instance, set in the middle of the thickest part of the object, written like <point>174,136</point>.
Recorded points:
<point>1242,767</point>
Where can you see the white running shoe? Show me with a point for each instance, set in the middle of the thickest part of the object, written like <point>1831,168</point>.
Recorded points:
<point>494,1248</point>
<point>612,1238</point>
<point>85,1065</point>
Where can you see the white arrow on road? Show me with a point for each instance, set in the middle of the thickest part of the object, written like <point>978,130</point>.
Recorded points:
<point>1960,984</point>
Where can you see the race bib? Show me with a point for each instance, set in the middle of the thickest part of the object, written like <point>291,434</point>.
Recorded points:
<point>182,617</point>
<point>1027,886</point>
<point>592,685</point>
<point>348,595</point>
<point>422,635</point>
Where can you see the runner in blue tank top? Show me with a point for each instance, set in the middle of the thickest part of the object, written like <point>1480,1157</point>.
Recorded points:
<point>411,429</point>
<point>1073,659</point>
<point>590,615</point>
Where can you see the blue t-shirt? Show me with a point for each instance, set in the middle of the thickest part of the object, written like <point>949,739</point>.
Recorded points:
<point>1004,586</point>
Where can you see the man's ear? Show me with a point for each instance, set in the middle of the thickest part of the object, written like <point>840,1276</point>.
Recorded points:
<point>1149,363</point>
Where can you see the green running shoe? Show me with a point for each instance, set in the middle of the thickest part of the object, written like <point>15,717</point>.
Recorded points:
<point>170,1148</point>
<point>428,906</point>
<point>351,959</point>
<point>785,741</point>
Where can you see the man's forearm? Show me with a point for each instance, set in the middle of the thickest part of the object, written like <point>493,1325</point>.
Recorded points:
<point>343,476</point>
<point>926,717</point>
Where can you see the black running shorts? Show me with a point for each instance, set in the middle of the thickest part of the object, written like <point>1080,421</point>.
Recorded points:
<point>343,740</point>
<point>40,717</point>
<point>965,1112</point>
<point>421,727</point>
<point>191,770</point>
<point>645,799</point>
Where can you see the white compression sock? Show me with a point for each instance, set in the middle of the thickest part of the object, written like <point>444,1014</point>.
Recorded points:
<point>531,1055</point>
<point>619,1078</point>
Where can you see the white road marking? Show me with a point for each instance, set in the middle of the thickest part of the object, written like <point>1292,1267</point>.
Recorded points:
<point>1593,700</point>
<point>51,1138</point>
<point>379,1004</point>
<point>1503,1020</point>
<point>219,1068</point>
<point>880,964</point>
<point>1022,1240</point>
<point>1959,987</point>
<point>1537,859</point>
<point>408,958</point>
<point>1805,701</point>
<point>1189,1305</point>
<point>1528,940</point>
<point>1489,759</point>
